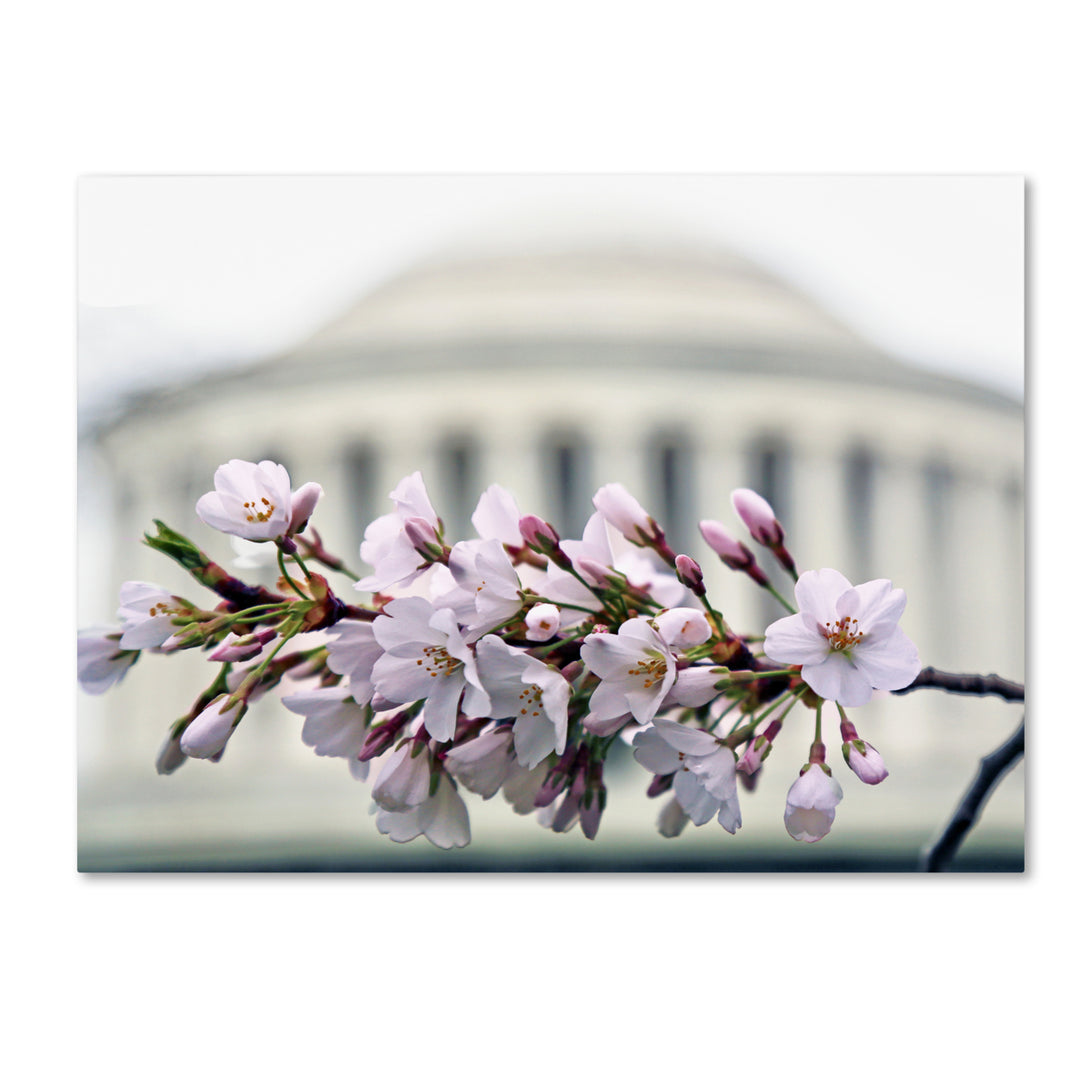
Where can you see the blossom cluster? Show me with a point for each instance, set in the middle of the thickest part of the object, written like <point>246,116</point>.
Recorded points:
<point>512,662</point>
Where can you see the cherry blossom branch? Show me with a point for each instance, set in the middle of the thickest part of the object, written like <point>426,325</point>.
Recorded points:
<point>991,769</point>
<point>965,684</point>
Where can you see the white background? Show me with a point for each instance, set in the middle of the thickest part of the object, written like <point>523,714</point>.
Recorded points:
<point>522,977</point>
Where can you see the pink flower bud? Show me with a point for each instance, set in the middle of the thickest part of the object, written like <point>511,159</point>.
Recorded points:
<point>234,649</point>
<point>758,516</point>
<point>620,509</point>
<point>542,621</point>
<point>207,734</point>
<point>303,506</point>
<point>537,533</point>
<point>688,571</point>
<point>421,535</point>
<point>732,552</point>
<point>594,572</point>
<point>864,761</point>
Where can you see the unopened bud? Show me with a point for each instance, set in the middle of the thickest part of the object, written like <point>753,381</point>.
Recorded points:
<point>683,628</point>
<point>421,534</point>
<point>864,761</point>
<point>234,649</point>
<point>170,756</point>
<point>758,516</point>
<point>303,506</point>
<point>381,736</point>
<point>733,553</point>
<point>542,622</point>
<point>620,509</point>
<point>688,571</point>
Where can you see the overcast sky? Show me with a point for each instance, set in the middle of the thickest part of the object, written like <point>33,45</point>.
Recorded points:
<point>190,272</point>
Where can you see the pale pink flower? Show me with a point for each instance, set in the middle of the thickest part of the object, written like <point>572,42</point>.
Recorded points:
<point>352,651</point>
<point>595,555</point>
<point>386,545</point>
<point>483,764</point>
<point>255,502</point>
<point>335,725</point>
<point>147,613</point>
<point>703,767</point>
<point>405,778</point>
<point>496,517</point>
<point>846,638</point>
<point>811,804</point>
<point>442,818</point>
<point>102,662</point>
<point>636,669</point>
<point>533,694</point>
<point>427,658</point>
<point>484,573</point>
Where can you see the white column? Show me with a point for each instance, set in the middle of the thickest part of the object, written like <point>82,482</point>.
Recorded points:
<point>719,470</point>
<point>818,535</point>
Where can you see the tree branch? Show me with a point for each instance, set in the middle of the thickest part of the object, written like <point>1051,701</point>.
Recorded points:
<point>965,684</point>
<point>991,769</point>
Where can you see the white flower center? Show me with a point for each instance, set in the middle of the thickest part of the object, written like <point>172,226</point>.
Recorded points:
<point>530,699</point>
<point>255,512</point>
<point>843,633</point>
<point>164,608</point>
<point>654,670</point>
<point>437,661</point>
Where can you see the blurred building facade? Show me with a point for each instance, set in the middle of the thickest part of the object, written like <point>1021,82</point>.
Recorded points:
<point>680,372</point>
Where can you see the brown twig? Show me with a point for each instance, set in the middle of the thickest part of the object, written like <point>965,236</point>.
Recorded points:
<point>965,684</point>
<point>991,769</point>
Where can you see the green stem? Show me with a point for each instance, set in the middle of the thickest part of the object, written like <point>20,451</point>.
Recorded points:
<point>285,574</point>
<point>782,599</point>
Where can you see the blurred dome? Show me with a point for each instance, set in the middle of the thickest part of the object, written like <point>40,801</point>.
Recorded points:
<point>627,286</point>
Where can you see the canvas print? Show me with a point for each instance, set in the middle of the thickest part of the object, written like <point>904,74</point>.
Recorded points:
<point>551,523</point>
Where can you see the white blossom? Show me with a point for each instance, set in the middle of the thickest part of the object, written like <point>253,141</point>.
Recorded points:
<point>636,670</point>
<point>703,767</point>
<point>101,660</point>
<point>427,658</point>
<point>442,818</point>
<point>488,581</point>
<point>496,517</point>
<point>147,614</point>
<point>846,638</point>
<point>352,651</point>
<point>254,501</point>
<point>335,725</point>
<point>405,778</point>
<point>386,545</point>
<point>483,764</point>
<point>535,695</point>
